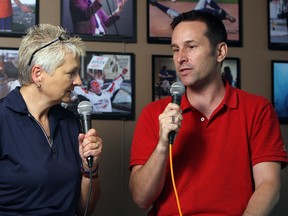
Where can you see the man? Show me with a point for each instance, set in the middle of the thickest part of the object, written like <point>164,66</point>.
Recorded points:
<point>101,99</point>
<point>3,79</point>
<point>97,75</point>
<point>228,150</point>
<point>3,75</point>
<point>165,78</point>
<point>88,16</point>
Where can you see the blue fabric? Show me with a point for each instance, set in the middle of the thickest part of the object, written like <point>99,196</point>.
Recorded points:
<point>34,180</point>
<point>6,23</point>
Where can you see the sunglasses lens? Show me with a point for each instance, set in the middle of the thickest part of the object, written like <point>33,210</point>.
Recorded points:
<point>64,36</point>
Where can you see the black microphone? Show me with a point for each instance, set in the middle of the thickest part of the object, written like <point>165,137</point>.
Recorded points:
<point>177,89</point>
<point>85,109</point>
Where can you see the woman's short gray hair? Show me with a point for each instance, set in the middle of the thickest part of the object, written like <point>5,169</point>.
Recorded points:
<point>44,46</point>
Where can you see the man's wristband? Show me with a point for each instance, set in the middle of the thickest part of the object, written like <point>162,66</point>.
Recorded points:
<point>86,173</point>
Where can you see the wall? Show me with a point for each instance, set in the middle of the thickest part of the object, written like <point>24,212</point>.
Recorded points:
<point>255,78</point>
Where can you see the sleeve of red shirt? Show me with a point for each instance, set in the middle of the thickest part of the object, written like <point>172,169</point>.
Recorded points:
<point>146,133</point>
<point>266,140</point>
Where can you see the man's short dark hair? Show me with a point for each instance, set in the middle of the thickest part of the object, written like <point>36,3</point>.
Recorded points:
<point>216,31</point>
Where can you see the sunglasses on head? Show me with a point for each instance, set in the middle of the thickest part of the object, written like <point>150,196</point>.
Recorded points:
<point>63,37</point>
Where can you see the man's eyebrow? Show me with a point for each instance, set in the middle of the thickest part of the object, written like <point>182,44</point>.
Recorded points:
<point>173,45</point>
<point>185,43</point>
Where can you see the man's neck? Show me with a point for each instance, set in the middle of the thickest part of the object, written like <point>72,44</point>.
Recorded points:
<point>206,99</point>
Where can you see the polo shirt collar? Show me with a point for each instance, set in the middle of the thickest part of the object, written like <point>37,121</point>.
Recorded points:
<point>20,105</point>
<point>15,96</point>
<point>230,99</point>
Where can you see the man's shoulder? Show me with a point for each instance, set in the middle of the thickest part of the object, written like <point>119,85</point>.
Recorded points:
<point>250,97</point>
<point>158,105</point>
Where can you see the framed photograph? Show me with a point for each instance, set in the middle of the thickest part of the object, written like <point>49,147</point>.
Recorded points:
<point>8,70</point>
<point>279,89</point>
<point>231,71</point>
<point>108,83</point>
<point>163,75</point>
<point>17,17</point>
<point>161,12</point>
<point>277,24</point>
<point>102,21</point>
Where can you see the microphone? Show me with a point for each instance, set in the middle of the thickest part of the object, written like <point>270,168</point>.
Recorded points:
<point>85,109</point>
<point>177,89</point>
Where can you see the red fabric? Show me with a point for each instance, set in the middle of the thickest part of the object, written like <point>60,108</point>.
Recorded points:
<point>5,8</point>
<point>212,159</point>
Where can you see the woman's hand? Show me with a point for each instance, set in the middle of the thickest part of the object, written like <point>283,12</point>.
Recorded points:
<point>90,144</point>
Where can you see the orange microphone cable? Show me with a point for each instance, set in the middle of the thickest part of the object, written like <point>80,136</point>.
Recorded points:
<point>173,181</point>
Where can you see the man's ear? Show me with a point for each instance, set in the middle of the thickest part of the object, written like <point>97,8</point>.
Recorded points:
<point>222,51</point>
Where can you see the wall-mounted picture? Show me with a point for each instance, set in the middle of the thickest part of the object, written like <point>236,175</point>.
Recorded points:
<point>108,83</point>
<point>163,75</point>
<point>231,71</point>
<point>17,16</point>
<point>160,14</point>
<point>279,89</point>
<point>277,24</point>
<point>96,20</point>
<point>8,70</point>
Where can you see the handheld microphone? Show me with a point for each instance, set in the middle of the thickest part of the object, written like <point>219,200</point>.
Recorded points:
<point>85,109</point>
<point>177,89</point>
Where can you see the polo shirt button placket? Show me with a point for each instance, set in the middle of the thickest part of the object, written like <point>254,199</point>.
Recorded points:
<point>202,119</point>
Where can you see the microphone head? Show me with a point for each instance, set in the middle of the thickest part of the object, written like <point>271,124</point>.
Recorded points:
<point>85,108</point>
<point>177,88</point>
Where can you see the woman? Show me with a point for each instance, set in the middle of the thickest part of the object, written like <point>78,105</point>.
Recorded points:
<point>42,152</point>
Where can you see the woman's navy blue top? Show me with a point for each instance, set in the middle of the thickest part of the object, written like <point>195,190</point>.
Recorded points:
<point>35,178</point>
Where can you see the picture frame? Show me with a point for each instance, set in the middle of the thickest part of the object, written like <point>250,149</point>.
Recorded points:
<point>22,17</point>
<point>163,75</point>
<point>121,30</point>
<point>277,24</point>
<point>160,13</point>
<point>230,71</point>
<point>279,89</point>
<point>107,85</point>
<point>8,70</point>
<point>163,64</point>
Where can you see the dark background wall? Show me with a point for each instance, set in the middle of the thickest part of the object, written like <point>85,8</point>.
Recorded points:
<point>255,60</point>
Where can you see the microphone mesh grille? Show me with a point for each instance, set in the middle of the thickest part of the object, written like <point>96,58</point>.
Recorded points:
<point>177,88</point>
<point>85,108</point>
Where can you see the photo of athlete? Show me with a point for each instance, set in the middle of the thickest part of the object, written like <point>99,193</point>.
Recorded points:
<point>204,5</point>
<point>8,71</point>
<point>6,13</point>
<point>108,84</point>
<point>161,13</point>
<point>89,17</point>
<point>101,97</point>
<point>278,22</point>
<point>99,19</point>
